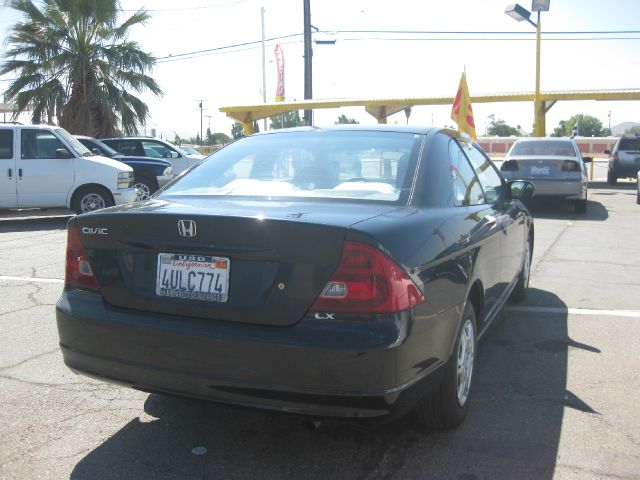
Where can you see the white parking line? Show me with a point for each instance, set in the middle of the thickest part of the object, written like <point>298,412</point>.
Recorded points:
<point>30,279</point>
<point>576,311</point>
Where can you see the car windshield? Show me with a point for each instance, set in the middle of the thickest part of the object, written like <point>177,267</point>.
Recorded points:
<point>544,148</point>
<point>106,148</point>
<point>362,165</point>
<point>74,143</point>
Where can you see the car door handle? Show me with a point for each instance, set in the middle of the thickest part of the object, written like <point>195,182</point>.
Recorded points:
<point>9,173</point>
<point>20,172</point>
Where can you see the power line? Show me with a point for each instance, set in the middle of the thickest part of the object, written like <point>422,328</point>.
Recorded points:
<point>255,44</point>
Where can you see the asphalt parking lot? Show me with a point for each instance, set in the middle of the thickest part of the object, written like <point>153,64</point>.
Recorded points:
<point>555,393</point>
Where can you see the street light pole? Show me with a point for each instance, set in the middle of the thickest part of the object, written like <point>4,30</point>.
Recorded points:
<point>539,129</point>
<point>519,13</point>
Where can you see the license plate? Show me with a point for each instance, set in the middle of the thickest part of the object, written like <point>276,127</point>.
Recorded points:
<point>540,171</point>
<point>194,277</point>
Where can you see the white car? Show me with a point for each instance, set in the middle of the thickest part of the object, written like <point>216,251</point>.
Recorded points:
<point>154,147</point>
<point>46,167</point>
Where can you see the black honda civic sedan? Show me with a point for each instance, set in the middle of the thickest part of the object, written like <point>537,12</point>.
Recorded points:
<point>346,271</point>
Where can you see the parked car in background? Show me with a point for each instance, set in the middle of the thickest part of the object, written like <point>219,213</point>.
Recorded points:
<point>156,148</point>
<point>149,173</point>
<point>44,166</point>
<point>554,165</point>
<point>624,160</point>
<point>342,271</point>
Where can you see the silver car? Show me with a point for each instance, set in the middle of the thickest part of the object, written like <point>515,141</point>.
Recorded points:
<point>554,165</point>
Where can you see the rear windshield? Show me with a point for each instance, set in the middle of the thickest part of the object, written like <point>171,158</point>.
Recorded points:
<point>629,144</point>
<point>353,164</point>
<point>543,148</point>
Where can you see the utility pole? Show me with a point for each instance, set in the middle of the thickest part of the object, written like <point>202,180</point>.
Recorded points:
<point>200,106</point>
<point>308,53</point>
<point>264,72</point>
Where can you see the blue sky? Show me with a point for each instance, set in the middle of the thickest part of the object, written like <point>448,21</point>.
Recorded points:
<point>379,65</point>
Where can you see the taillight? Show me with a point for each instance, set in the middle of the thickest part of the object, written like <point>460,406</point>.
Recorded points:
<point>367,281</point>
<point>615,157</point>
<point>78,272</point>
<point>509,166</point>
<point>570,166</point>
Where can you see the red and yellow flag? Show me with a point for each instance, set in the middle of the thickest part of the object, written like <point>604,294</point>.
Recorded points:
<point>461,112</point>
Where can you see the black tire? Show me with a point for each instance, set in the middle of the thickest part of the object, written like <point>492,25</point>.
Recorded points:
<point>91,198</point>
<point>145,187</point>
<point>522,287</point>
<point>580,206</point>
<point>446,407</point>
<point>612,179</point>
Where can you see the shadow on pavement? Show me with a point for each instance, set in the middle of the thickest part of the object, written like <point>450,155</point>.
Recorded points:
<point>33,224</point>
<point>550,208</point>
<point>512,431</point>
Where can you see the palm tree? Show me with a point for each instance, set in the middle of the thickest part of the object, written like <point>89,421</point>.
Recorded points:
<point>73,62</point>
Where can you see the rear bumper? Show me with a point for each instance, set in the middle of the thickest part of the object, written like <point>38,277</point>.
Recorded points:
<point>122,196</point>
<point>622,170</point>
<point>316,367</point>
<point>570,189</point>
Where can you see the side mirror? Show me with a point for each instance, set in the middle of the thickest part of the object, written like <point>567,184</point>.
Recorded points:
<point>587,159</point>
<point>522,190</point>
<point>63,153</point>
<point>174,155</point>
<point>608,152</point>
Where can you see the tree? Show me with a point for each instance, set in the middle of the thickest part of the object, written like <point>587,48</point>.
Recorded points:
<point>73,62</point>
<point>237,131</point>
<point>286,120</point>
<point>588,126</point>
<point>635,130</point>
<point>499,128</point>
<point>344,120</point>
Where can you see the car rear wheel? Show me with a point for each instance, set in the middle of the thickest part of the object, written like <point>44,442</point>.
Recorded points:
<point>145,187</point>
<point>580,206</point>
<point>446,407</point>
<point>92,198</point>
<point>612,179</point>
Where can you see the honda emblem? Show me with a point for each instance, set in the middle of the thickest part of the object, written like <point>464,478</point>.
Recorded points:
<point>187,228</point>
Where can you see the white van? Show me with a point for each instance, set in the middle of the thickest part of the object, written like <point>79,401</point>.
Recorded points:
<point>43,166</point>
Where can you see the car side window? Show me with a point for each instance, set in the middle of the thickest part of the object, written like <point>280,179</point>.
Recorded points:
<point>466,187</point>
<point>158,150</point>
<point>489,178</point>
<point>6,144</point>
<point>39,144</point>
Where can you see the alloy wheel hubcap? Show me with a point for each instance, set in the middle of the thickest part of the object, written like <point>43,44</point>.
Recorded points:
<point>466,354</point>
<point>92,202</point>
<point>143,192</point>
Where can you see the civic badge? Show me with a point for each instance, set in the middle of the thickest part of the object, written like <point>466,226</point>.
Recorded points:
<point>187,228</point>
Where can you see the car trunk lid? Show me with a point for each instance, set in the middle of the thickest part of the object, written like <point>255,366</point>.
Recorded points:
<point>541,167</point>
<point>268,261</point>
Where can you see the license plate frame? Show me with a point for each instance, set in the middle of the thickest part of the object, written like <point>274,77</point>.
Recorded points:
<point>193,277</point>
<point>544,171</point>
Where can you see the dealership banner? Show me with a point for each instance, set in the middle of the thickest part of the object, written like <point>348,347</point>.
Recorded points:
<point>280,65</point>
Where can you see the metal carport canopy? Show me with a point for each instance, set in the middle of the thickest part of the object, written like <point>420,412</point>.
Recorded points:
<point>383,108</point>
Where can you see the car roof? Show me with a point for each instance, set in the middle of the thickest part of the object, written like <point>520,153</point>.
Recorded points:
<point>545,139</point>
